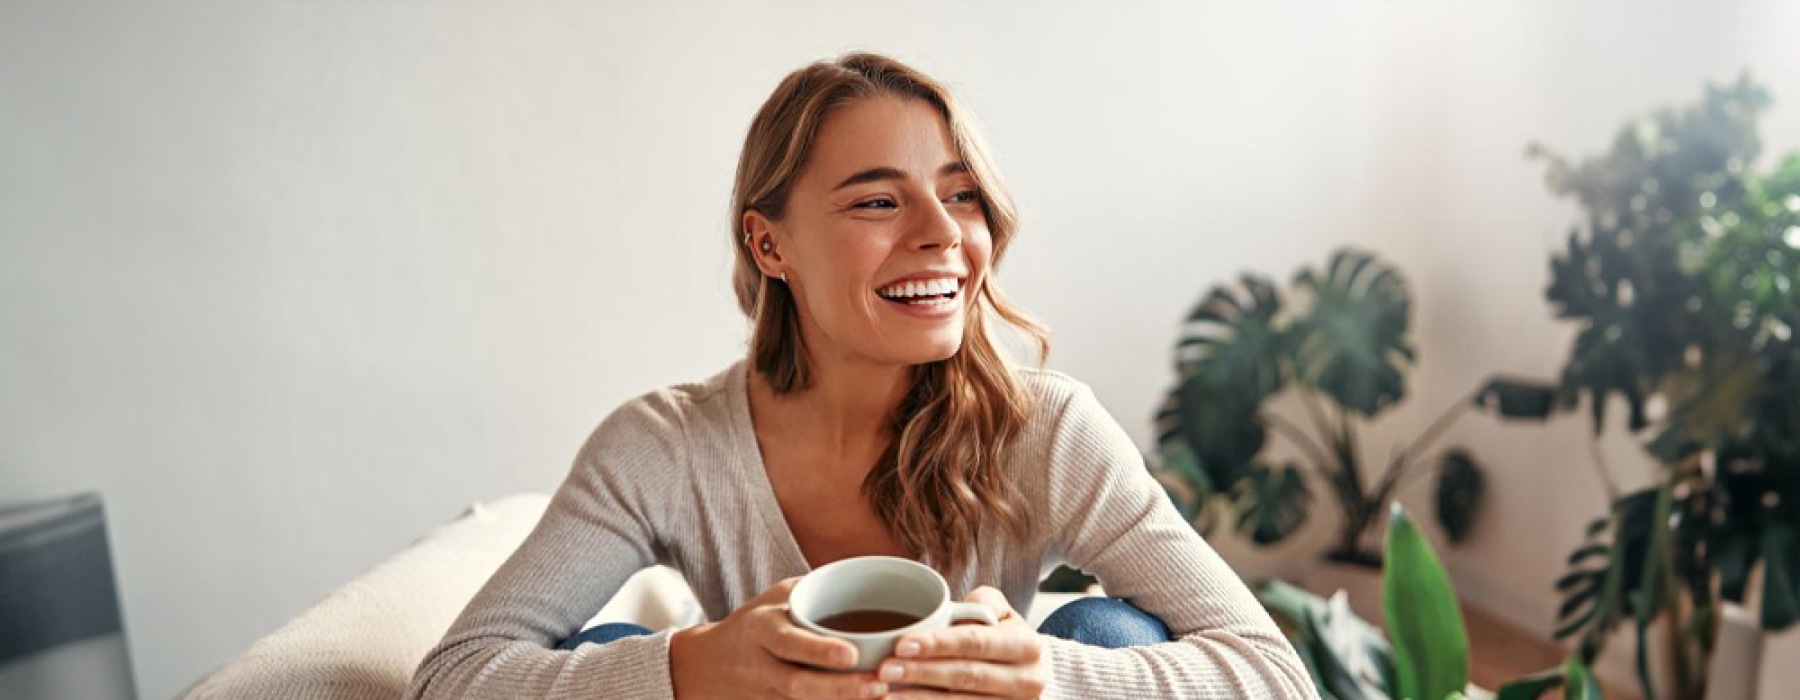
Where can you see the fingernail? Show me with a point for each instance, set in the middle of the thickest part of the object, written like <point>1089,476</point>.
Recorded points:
<point>891,672</point>
<point>843,657</point>
<point>908,648</point>
<point>874,690</point>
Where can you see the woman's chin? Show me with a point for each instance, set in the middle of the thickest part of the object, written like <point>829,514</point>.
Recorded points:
<point>930,350</point>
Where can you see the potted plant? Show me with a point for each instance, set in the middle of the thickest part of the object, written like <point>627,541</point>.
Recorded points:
<point>1682,278</point>
<point>1339,345</point>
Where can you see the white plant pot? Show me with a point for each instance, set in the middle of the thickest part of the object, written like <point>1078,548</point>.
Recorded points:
<point>1737,655</point>
<point>1781,675</point>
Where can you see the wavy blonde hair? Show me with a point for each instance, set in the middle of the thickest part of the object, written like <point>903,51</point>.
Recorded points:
<point>942,478</point>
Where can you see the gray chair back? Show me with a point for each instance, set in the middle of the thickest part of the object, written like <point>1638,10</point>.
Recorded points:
<point>61,631</point>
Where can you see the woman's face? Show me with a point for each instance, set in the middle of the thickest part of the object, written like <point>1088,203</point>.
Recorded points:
<point>884,236</point>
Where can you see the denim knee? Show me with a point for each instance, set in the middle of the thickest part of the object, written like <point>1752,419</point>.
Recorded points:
<point>1105,622</point>
<point>603,633</point>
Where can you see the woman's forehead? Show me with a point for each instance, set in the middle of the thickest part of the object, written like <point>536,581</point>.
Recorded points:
<point>906,135</point>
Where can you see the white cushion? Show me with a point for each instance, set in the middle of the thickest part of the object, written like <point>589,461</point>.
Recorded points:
<point>365,639</point>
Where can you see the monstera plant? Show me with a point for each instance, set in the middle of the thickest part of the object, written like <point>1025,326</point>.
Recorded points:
<point>1341,350</point>
<point>1681,279</point>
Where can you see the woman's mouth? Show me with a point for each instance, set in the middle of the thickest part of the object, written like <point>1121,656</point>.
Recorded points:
<point>923,292</point>
<point>924,297</point>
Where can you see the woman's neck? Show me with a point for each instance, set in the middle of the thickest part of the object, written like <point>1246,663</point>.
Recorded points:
<point>848,408</point>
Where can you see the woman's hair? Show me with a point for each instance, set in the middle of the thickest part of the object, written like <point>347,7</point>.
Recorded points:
<point>943,476</point>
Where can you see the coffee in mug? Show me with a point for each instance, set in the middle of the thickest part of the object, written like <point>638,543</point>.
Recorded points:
<point>867,621</point>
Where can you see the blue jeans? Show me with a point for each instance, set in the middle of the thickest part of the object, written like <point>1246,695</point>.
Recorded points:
<point>1103,622</point>
<point>603,633</point>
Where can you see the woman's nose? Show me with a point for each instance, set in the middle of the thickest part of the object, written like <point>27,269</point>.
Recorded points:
<point>937,228</point>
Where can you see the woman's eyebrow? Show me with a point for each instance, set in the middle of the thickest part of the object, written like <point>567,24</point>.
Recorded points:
<point>886,173</point>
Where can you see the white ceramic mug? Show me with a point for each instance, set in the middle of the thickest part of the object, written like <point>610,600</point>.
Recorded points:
<point>878,583</point>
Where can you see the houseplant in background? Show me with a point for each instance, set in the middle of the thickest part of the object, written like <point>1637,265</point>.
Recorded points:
<point>1682,279</point>
<point>1339,346</point>
<point>1428,656</point>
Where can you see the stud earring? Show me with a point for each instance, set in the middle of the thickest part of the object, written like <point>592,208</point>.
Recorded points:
<point>766,246</point>
<point>784,278</point>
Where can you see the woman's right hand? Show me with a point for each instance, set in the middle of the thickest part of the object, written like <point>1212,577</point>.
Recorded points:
<point>757,652</point>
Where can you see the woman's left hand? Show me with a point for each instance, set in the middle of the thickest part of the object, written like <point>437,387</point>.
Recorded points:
<point>972,660</point>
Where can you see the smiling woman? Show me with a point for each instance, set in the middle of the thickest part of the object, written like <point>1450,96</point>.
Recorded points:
<point>888,202</point>
<point>873,415</point>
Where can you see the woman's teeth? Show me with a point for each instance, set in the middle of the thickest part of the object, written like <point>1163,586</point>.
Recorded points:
<point>935,292</point>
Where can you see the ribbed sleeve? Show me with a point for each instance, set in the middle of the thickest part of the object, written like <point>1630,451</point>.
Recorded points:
<point>594,535</point>
<point>1116,523</point>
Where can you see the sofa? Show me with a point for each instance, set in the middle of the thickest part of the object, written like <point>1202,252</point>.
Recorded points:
<point>363,640</point>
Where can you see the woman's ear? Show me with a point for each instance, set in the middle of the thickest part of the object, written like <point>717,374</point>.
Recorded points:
<point>759,234</point>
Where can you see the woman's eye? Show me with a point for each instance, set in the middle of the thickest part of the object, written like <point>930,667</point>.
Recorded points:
<point>963,197</point>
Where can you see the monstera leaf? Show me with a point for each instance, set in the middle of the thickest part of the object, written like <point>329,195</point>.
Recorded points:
<point>1459,488</point>
<point>1609,563</point>
<point>1230,359</point>
<point>1520,398</point>
<point>1230,342</point>
<point>1221,435</point>
<point>1272,503</point>
<point>1352,345</point>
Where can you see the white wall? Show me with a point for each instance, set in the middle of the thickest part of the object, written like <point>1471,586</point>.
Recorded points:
<point>291,282</point>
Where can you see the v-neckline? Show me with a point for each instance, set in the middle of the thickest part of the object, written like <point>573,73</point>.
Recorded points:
<point>743,424</point>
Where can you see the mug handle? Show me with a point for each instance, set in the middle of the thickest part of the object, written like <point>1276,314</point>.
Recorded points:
<point>972,612</point>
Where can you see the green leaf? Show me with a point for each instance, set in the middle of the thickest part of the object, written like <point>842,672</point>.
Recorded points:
<point>1222,433</point>
<point>1650,591</point>
<point>1459,488</point>
<point>1230,341</point>
<point>1518,398</point>
<point>1431,648</point>
<point>1572,674</point>
<point>1347,657</point>
<point>1601,571</point>
<point>1580,683</point>
<point>1530,687</point>
<point>1670,185</point>
<point>1272,503</point>
<point>1285,600</point>
<point>1352,344</point>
